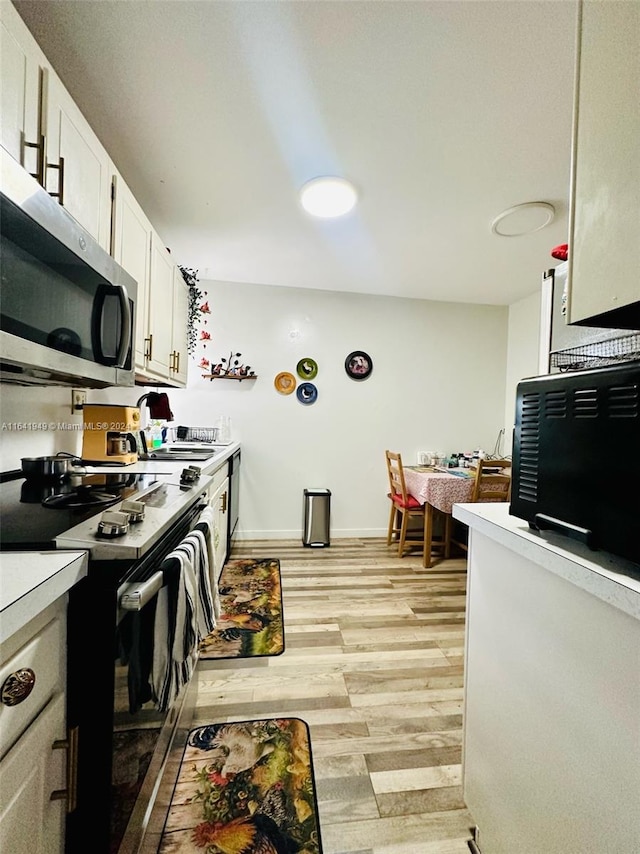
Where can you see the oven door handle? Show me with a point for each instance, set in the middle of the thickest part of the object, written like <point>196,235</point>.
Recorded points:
<point>135,595</point>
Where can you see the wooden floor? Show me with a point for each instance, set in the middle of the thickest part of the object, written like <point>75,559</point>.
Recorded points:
<point>373,662</point>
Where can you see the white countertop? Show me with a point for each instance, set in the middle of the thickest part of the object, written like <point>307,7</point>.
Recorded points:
<point>31,581</point>
<point>611,579</point>
<point>168,467</point>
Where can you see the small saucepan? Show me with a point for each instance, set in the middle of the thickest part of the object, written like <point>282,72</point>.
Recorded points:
<point>57,466</point>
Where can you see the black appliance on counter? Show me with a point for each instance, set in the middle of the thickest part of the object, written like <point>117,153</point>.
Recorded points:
<point>124,737</point>
<point>576,460</point>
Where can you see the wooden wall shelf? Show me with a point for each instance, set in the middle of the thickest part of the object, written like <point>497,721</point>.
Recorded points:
<point>226,377</point>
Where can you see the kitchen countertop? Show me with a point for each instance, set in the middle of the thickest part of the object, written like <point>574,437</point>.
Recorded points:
<point>169,467</point>
<point>31,581</point>
<point>609,578</point>
<point>26,590</point>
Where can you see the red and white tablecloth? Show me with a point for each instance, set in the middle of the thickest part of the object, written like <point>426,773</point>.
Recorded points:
<point>439,489</point>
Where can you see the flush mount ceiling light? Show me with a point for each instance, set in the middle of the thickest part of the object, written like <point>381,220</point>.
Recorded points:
<point>328,197</point>
<point>523,219</point>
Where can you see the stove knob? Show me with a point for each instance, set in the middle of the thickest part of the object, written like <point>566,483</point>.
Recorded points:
<point>113,523</point>
<point>134,510</point>
<point>189,475</point>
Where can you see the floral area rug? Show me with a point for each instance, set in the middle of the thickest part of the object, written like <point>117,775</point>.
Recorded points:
<point>250,622</point>
<point>245,788</point>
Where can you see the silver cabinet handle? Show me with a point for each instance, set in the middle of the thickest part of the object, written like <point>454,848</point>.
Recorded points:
<point>70,794</point>
<point>134,596</point>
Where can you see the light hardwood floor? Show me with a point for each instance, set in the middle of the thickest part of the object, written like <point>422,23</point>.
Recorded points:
<point>373,662</point>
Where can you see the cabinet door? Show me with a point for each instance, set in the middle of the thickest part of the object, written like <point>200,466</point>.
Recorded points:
<point>30,822</point>
<point>219,503</point>
<point>160,326</point>
<point>132,249</point>
<point>20,62</point>
<point>77,165</point>
<point>604,256</point>
<point>179,353</point>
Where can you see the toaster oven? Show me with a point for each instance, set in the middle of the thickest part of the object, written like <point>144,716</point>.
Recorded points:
<point>576,456</point>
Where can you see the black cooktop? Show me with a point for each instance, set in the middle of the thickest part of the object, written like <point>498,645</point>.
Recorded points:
<point>33,512</point>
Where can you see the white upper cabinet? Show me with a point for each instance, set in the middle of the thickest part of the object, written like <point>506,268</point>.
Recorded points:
<point>179,337</point>
<point>131,243</point>
<point>78,168</point>
<point>160,327</point>
<point>162,304</point>
<point>43,129</point>
<point>21,63</point>
<point>604,245</point>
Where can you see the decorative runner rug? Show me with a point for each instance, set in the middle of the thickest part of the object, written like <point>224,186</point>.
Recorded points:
<point>245,788</point>
<point>250,622</point>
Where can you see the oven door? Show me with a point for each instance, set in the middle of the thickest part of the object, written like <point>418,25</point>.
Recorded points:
<point>124,733</point>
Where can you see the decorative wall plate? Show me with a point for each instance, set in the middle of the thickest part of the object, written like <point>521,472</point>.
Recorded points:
<point>358,365</point>
<point>307,393</point>
<point>285,382</point>
<point>307,369</point>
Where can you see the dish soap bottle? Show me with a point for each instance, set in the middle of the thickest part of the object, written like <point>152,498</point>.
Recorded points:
<point>156,434</point>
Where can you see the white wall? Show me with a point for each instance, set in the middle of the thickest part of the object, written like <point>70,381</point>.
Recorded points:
<point>522,354</point>
<point>437,383</point>
<point>31,419</point>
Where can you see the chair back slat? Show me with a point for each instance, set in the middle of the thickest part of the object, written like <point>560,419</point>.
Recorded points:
<point>492,485</point>
<point>396,475</point>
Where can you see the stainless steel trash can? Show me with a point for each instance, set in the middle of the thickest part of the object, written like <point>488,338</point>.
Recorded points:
<point>317,510</point>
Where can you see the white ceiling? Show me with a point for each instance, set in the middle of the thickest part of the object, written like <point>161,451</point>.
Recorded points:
<point>443,114</point>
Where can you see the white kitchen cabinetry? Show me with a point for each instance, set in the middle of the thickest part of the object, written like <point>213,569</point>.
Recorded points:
<point>604,245</point>
<point>162,304</point>
<point>45,131</point>
<point>132,250</point>
<point>78,168</point>
<point>160,327</point>
<point>179,354</point>
<point>34,747</point>
<point>219,502</point>
<point>551,757</point>
<point>21,62</point>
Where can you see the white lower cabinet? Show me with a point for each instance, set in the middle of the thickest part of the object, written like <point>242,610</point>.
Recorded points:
<point>219,502</point>
<point>30,822</point>
<point>33,739</point>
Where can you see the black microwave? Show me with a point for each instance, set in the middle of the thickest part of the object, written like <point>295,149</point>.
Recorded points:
<point>67,314</point>
<point>576,456</point>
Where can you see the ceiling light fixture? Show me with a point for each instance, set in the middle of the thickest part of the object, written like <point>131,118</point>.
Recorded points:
<point>523,219</point>
<point>328,197</point>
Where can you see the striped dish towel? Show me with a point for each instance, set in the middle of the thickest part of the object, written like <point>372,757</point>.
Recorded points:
<point>175,632</point>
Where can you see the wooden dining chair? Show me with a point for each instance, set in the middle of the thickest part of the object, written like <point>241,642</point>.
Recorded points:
<point>405,507</point>
<point>493,481</point>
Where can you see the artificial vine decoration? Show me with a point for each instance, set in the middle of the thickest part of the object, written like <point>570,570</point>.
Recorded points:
<point>196,308</point>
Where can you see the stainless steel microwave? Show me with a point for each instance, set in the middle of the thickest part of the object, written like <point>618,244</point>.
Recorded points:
<point>67,310</point>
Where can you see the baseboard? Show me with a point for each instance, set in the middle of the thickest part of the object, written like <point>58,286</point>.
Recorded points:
<point>341,534</point>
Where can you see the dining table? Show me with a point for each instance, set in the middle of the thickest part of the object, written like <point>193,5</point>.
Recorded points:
<point>438,490</point>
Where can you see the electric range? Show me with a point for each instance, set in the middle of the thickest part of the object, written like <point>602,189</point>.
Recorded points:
<point>39,515</point>
<point>113,710</point>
